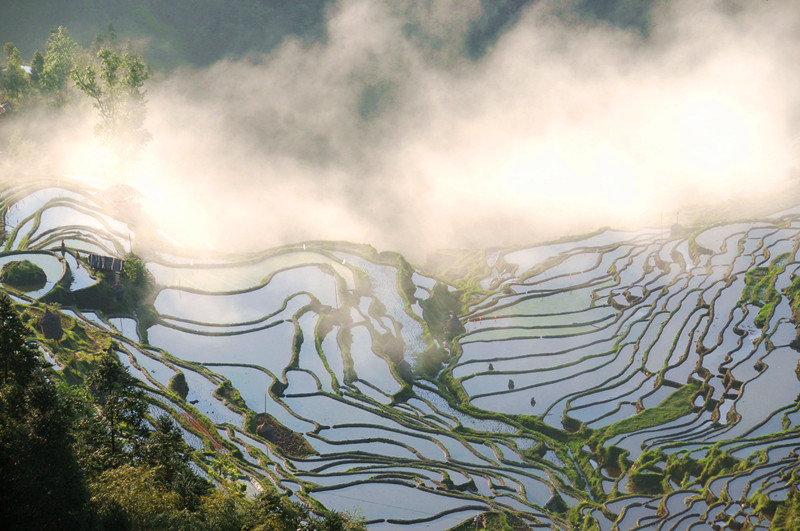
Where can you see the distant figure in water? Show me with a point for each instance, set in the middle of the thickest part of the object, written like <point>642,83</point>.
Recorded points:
<point>491,367</point>
<point>510,384</point>
<point>533,402</point>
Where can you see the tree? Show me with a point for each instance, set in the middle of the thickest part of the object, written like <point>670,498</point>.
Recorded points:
<point>42,482</point>
<point>222,511</point>
<point>129,497</point>
<point>121,404</point>
<point>37,68</point>
<point>59,61</point>
<point>165,451</point>
<point>178,384</point>
<point>19,359</point>
<point>134,269</point>
<point>15,80</point>
<point>274,512</point>
<point>118,95</point>
<point>108,39</point>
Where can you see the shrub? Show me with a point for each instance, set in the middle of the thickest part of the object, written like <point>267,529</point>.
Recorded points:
<point>178,384</point>
<point>23,274</point>
<point>134,269</point>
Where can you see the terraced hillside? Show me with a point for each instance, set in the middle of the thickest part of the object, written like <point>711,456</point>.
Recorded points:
<point>621,379</point>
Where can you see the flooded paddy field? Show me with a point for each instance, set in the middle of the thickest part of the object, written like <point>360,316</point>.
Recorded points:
<point>579,381</point>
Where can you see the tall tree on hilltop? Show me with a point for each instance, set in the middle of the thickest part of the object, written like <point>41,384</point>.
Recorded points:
<point>37,69</point>
<point>117,93</point>
<point>59,62</point>
<point>15,80</point>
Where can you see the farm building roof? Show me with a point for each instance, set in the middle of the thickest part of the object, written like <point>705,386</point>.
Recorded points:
<point>106,263</point>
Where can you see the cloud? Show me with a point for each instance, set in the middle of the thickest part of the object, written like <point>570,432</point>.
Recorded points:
<point>387,132</point>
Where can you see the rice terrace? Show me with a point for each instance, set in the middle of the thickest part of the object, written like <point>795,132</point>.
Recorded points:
<point>619,379</point>
<point>350,265</point>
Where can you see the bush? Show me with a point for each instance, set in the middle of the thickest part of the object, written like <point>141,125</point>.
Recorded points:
<point>646,482</point>
<point>429,363</point>
<point>178,384</point>
<point>439,310</point>
<point>388,346</point>
<point>23,274</point>
<point>134,269</point>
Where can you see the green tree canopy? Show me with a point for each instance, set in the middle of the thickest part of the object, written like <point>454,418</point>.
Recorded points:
<point>37,69</point>
<point>59,61</point>
<point>165,450</point>
<point>15,80</point>
<point>119,425</point>
<point>42,484</point>
<point>18,358</point>
<point>115,86</point>
<point>274,512</point>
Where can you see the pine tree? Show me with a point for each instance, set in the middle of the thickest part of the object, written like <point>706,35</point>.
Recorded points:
<point>42,483</point>
<point>121,404</point>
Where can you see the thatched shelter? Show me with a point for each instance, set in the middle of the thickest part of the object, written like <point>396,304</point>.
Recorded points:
<point>105,263</point>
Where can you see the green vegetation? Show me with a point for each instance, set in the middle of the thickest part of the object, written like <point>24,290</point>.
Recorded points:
<point>134,270</point>
<point>178,384</point>
<point>131,294</point>
<point>649,474</point>
<point>389,347</point>
<point>272,512</point>
<point>227,392</point>
<point>430,362</point>
<point>760,289</point>
<point>118,96</point>
<point>24,275</point>
<point>77,349</point>
<point>440,312</point>
<point>15,81</point>
<point>717,462</point>
<point>42,479</point>
<point>676,405</point>
<point>265,425</point>
<point>109,73</point>
<point>792,291</point>
<point>786,513</point>
<point>653,470</point>
<point>291,443</point>
<point>462,267</point>
<point>50,72</point>
<point>79,456</point>
<point>492,521</point>
<point>695,249</point>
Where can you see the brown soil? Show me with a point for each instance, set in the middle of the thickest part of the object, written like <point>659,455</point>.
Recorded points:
<point>197,425</point>
<point>291,443</point>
